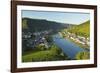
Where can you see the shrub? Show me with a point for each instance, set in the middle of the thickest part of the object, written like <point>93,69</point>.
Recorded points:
<point>82,55</point>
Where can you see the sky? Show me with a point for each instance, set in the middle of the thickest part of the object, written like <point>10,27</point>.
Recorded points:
<point>62,17</point>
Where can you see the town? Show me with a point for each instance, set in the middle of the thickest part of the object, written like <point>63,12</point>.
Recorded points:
<point>76,38</point>
<point>33,39</point>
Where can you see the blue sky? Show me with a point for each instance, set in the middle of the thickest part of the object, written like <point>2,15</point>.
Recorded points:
<point>63,17</point>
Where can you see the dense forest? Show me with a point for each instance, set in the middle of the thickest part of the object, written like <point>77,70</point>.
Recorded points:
<point>33,25</point>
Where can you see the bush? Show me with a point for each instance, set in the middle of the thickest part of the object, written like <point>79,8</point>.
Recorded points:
<point>82,55</point>
<point>55,49</point>
<point>40,47</point>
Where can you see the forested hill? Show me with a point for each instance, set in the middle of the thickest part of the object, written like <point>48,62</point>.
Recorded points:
<point>81,29</point>
<point>33,25</point>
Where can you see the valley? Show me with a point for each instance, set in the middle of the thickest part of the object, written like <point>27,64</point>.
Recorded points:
<point>44,40</point>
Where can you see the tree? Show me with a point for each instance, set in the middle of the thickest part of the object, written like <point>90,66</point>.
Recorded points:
<point>82,55</point>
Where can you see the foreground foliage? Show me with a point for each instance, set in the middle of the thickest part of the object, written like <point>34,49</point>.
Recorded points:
<point>51,54</point>
<point>83,56</point>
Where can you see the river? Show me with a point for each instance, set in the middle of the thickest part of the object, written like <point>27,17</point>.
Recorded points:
<point>68,47</point>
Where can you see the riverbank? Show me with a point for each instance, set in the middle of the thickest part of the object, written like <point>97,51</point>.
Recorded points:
<point>75,40</point>
<point>68,47</point>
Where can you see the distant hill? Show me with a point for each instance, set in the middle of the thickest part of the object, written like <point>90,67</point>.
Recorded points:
<point>81,29</point>
<point>33,25</point>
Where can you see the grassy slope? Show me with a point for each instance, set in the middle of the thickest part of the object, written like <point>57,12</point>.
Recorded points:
<point>52,54</point>
<point>39,56</point>
<point>81,29</point>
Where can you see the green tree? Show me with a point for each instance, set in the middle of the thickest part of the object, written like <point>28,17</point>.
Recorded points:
<point>82,55</point>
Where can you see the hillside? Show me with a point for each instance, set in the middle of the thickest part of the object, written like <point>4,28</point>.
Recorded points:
<point>33,25</point>
<point>81,29</point>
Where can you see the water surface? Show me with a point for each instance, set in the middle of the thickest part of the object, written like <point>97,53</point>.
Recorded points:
<point>67,46</point>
